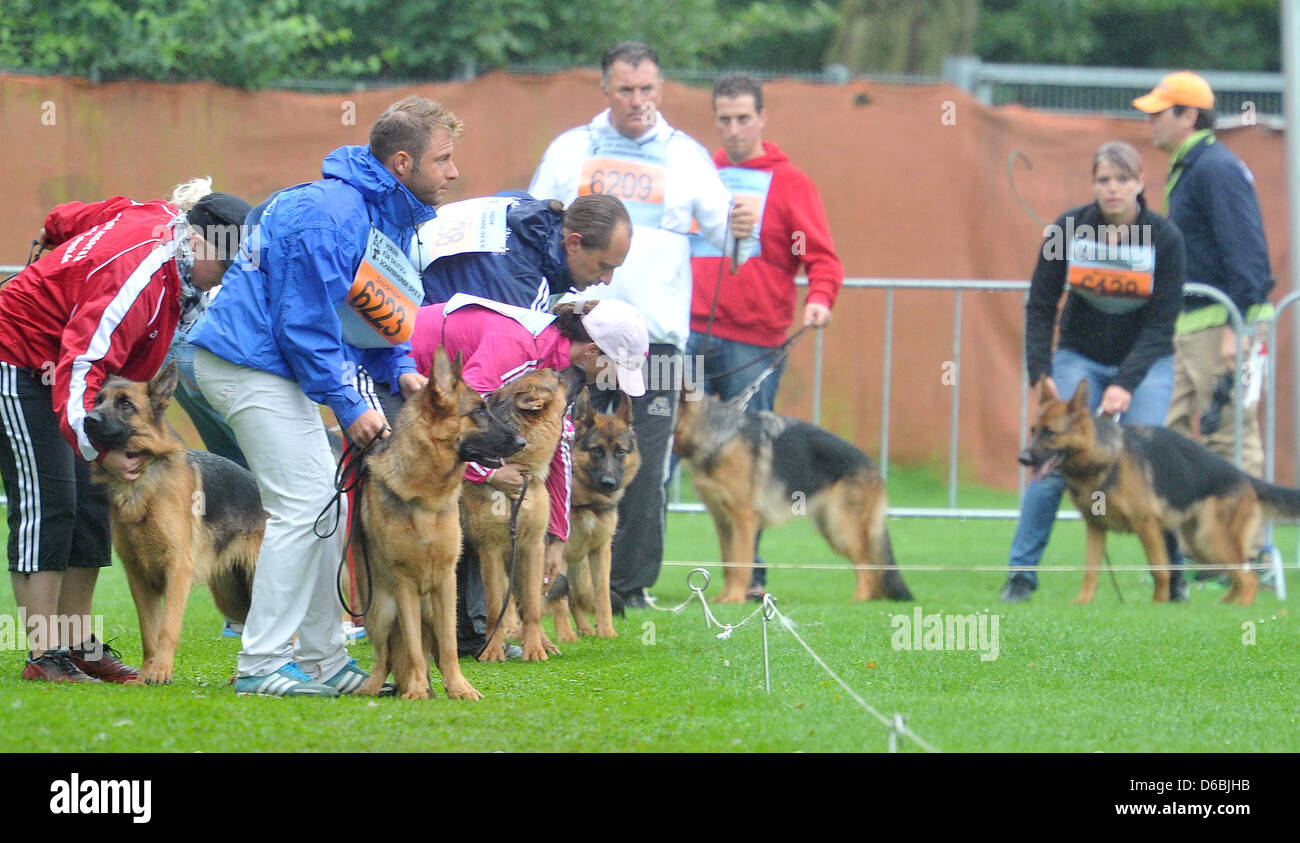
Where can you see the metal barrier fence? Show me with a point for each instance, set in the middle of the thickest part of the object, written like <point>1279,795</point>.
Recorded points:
<point>1106,90</point>
<point>958,288</point>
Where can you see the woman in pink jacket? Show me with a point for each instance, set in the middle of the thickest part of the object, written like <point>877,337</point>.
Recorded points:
<point>499,342</point>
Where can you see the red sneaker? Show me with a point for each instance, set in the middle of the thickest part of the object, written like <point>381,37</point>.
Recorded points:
<point>54,666</point>
<point>109,667</point>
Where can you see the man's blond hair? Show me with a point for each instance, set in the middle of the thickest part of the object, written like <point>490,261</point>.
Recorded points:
<point>407,124</point>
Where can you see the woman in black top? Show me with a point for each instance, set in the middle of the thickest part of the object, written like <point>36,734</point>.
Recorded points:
<point>1123,266</point>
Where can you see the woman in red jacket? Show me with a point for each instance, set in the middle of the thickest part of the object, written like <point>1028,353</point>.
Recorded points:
<point>104,302</point>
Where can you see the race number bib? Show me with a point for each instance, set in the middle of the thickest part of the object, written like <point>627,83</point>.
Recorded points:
<point>749,188</point>
<point>1114,278</point>
<point>474,225</point>
<point>380,307</point>
<point>633,172</point>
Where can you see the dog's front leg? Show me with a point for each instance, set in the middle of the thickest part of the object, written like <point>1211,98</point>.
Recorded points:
<point>739,557</point>
<point>413,682</point>
<point>536,644</point>
<point>495,594</point>
<point>560,614</point>
<point>599,562</point>
<point>176,593</point>
<point>148,608</point>
<point>1096,548</point>
<point>443,600</point>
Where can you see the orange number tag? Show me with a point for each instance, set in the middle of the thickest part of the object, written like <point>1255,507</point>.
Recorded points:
<point>382,302</point>
<point>1108,281</point>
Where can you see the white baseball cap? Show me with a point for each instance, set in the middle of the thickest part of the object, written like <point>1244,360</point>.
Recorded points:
<point>618,329</point>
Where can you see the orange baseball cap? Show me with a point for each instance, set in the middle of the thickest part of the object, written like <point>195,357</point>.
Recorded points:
<point>1182,88</point>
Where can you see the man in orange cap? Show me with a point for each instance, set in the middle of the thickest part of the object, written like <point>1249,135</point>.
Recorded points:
<point>1210,196</point>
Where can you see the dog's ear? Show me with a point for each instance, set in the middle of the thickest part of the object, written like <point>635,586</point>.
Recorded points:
<point>444,374</point>
<point>624,409</point>
<point>1079,403</point>
<point>1046,394</point>
<point>162,387</point>
<point>583,412</point>
<point>534,398</point>
<point>572,378</point>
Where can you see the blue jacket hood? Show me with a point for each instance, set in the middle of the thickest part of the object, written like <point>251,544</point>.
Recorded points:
<point>358,167</point>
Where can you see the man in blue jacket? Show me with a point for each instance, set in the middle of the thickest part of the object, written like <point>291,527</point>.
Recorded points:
<point>523,251</point>
<point>1210,196</point>
<point>322,287</point>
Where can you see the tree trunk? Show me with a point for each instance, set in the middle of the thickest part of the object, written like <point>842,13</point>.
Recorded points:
<point>902,36</point>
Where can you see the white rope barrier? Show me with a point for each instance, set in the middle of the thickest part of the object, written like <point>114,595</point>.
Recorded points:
<point>1003,568</point>
<point>769,611</point>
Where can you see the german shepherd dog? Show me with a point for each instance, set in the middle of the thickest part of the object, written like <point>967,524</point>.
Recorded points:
<point>189,513</point>
<point>605,459</point>
<point>534,405</point>
<point>755,470</point>
<point>1143,480</point>
<point>410,530</point>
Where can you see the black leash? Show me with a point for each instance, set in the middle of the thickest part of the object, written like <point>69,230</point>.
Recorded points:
<point>510,581</point>
<point>32,254</point>
<point>349,475</point>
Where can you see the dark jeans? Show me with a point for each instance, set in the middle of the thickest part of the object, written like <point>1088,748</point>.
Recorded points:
<point>721,355</point>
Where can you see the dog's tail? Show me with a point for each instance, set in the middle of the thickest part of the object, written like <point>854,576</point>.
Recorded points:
<point>892,581</point>
<point>1277,501</point>
<point>232,588</point>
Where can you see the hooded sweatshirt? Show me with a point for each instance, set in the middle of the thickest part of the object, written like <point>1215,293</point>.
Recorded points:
<point>757,304</point>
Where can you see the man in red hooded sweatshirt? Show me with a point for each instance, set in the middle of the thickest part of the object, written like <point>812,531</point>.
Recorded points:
<point>738,320</point>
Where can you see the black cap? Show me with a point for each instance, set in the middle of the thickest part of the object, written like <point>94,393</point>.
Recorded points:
<point>219,217</point>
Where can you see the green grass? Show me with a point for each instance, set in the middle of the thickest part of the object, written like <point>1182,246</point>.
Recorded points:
<point>1120,678</point>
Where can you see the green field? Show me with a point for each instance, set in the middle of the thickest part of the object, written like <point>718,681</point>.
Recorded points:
<point>1131,677</point>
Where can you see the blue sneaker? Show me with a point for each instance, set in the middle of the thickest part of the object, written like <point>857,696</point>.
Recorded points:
<point>288,681</point>
<point>232,629</point>
<point>348,678</point>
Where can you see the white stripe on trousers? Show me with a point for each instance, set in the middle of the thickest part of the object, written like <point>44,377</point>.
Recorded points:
<point>15,423</point>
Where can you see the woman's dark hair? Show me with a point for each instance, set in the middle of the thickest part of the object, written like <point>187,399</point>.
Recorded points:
<point>595,216</point>
<point>568,318</point>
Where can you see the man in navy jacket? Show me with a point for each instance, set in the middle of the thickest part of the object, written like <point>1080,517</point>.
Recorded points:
<point>1210,196</point>
<point>518,250</point>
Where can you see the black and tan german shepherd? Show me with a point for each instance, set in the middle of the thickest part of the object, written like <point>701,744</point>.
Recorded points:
<point>189,514</point>
<point>1143,480</point>
<point>605,459</point>
<point>533,405</point>
<point>410,530</point>
<point>755,470</point>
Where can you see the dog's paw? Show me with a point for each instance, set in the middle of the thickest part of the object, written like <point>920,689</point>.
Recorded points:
<point>566,635</point>
<point>606,631</point>
<point>493,654</point>
<point>537,649</point>
<point>724,597</point>
<point>462,690</point>
<point>416,693</point>
<point>156,674</point>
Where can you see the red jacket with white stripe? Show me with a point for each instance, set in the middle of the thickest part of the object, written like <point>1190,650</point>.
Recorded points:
<point>495,349</point>
<point>105,302</point>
